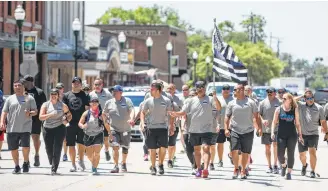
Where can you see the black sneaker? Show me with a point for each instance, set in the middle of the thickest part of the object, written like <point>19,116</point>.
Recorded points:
<point>246,172</point>
<point>26,167</point>
<point>202,166</point>
<point>17,170</point>
<point>36,161</point>
<point>212,166</point>
<point>153,170</point>
<point>220,164</point>
<point>243,175</point>
<point>275,170</point>
<point>235,174</point>
<point>124,169</point>
<point>107,156</point>
<point>161,169</point>
<point>283,171</point>
<point>170,164</point>
<point>288,176</point>
<point>303,172</point>
<point>312,174</point>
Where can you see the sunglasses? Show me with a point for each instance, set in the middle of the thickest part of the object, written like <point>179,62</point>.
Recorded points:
<point>281,92</point>
<point>225,88</point>
<point>185,90</point>
<point>200,87</point>
<point>309,98</point>
<point>53,94</point>
<point>269,92</point>
<point>97,84</point>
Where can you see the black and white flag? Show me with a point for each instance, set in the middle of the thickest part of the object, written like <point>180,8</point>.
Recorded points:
<point>225,63</point>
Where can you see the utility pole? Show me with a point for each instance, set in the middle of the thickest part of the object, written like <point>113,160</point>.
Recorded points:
<point>278,43</point>
<point>252,30</point>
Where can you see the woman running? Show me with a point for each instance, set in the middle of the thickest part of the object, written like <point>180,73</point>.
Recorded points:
<point>92,124</point>
<point>287,117</point>
<point>56,116</point>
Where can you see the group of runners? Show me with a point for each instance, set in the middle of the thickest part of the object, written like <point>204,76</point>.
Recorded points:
<point>92,117</point>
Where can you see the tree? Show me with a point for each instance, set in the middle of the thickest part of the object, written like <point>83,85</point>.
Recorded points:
<point>254,26</point>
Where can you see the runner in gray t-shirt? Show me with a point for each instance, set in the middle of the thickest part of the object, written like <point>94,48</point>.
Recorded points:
<point>201,124</point>
<point>16,119</point>
<point>239,117</point>
<point>311,116</point>
<point>267,108</point>
<point>157,107</point>
<point>103,95</point>
<point>120,111</point>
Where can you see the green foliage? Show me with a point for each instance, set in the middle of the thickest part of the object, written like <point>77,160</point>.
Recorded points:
<point>254,26</point>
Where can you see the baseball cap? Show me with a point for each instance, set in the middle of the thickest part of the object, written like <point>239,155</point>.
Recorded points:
<point>28,78</point>
<point>76,79</point>
<point>118,88</point>
<point>85,87</point>
<point>60,85</point>
<point>271,89</point>
<point>226,87</point>
<point>200,84</point>
<point>157,85</point>
<point>54,90</point>
<point>94,99</point>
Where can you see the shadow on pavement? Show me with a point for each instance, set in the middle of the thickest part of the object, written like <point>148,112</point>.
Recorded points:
<point>265,184</point>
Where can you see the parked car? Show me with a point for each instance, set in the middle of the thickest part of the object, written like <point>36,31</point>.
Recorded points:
<point>321,96</point>
<point>260,92</point>
<point>219,86</point>
<point>136,97</point>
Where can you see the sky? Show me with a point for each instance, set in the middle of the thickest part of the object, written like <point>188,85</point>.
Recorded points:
<point>301,26</point>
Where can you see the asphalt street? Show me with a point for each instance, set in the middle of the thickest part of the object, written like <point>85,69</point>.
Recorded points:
<point>178,178</point>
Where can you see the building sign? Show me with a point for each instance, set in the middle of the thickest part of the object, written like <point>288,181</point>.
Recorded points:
<point>127,61</point>
<point>175,64</point>
<point>29,46</point>
<point>140,32</point>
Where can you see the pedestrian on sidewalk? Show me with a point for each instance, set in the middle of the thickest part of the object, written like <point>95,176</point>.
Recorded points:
<point>56,116</point>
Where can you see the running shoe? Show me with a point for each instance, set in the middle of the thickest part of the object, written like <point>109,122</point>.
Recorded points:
<point>283,171</point>
<point>26,167</point>
<point>288,176</point>
<point>170,164</point>
<point>243,175</point>
<point>107,156</point>
<point>161,169</point>
<point>269,170</point>
<point>17,170</point>
<point>275,170</point>
<point>145,157</point>
<point>36,161</point>
<point>81,164</point>
<point>65,157</point>
<point>153,170</point>
<point>220,163</point>
<point>198,173</point>
<point>212,166</point>
<point>115,169</point>
<point>123,166</point>
<point>235,174</point>
<point>303,172</point>
<point>247,171</point>
<point>73,169</point>
<point>202,166</point>
<point>205,173</point>
<point>194,171</point>
<point>94,171</point>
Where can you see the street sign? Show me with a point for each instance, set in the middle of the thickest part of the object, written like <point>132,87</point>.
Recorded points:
<point>185,77</point>
<point>30,68</point>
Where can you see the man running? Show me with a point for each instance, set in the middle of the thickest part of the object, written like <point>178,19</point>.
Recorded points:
<point>224,100</point>
<point>157,107</point>
<point>281,92</point>
<point>173,139</point>
<point>267,108</point>
<point>103,95</point>
<point>78,102</point>
<point>39,98</point>
<point>16,119</point>
<point>201,124</point>
<point>120,111</point>
<point>311,116</point>
<point>239,117</point>
<point>185,95</point>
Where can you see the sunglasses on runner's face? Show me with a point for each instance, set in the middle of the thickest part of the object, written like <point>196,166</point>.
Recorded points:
<point>185,90</point>
<point>225,88</point>
<point>309,98</point>
<point>280,92</point>
<point>269,92</point>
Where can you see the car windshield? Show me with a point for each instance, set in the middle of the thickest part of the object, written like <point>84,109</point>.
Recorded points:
<point>136,100</point>
<point>260,92</point>
<point>219,89</point>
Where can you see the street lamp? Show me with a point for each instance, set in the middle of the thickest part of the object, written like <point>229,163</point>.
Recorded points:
<point>76,26</point>
<point>169,48</point>
<point>207,60</point>
<point>121,39</point>
<point>20,17</point>
<point>195,56</point>
<point>149,44</point>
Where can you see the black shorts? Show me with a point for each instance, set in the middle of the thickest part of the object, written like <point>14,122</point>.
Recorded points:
<point>105,132</point>
<point>15,140</point>
<point>156,138</point>
<point>198,139</point>
<point>93,140</point>
<point>36,127</point>
<point>242,142</point>
<point>74,135</point>
<point>221,138</point>
<point>310,141</point>
<point>266,138</point>
<point>214,138</point>
<point>173,138</point>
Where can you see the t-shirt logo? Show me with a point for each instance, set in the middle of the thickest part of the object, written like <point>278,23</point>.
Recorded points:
<point>205,102</point>
<point>75,103</point>
<point>163,104</point>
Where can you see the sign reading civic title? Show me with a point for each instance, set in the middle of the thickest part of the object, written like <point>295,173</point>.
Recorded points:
<point>140,32</point>
<point>29,65</point>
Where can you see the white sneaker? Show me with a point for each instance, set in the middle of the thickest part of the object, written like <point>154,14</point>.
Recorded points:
<point>81,164</point>
<point>73,169</point>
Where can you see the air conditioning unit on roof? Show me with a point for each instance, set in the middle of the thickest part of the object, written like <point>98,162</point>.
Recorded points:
<point>130,22</point>
<point>115,21</point>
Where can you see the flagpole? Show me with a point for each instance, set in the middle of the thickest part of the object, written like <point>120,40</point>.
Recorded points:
<point>213,62</point>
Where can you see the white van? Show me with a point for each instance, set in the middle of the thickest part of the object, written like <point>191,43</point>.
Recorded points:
<point>218,87</point>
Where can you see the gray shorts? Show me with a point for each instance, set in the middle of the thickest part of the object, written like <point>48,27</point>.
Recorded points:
<point>121,139</point>
<point>18,139</point>
<point>266,138</point>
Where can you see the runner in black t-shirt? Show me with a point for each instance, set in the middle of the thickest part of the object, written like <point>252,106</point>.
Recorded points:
<point>78,102</point>
<point>40,98</point>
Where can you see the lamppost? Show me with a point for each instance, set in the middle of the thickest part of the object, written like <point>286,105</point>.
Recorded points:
<point>208,60</point>
<point>20,17</point>
<point>169,52</point>
<point>149,44</point>
<point>195,56</point>
<point>76,26</point>
<point>121,40</point>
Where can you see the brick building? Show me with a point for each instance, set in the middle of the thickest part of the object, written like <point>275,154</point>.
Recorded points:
<point>160,34</point>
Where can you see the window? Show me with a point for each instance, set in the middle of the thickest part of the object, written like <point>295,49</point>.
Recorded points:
<point>36,11</point>
<point>9,7</point>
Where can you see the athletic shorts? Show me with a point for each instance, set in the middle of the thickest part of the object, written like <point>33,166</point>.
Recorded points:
<point>266,138</point>
<point>242,142</point>
<point>36,127</point>
<point>214,138</point>
<point>173,138</point>
<point>93,140</point>
<point>121,139</point>
<point>198,139</point>
<point>156,138</point>
<point>310,141</point>
<point>221,137</point>
<point>15,140</point>
<point>74,135</point>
